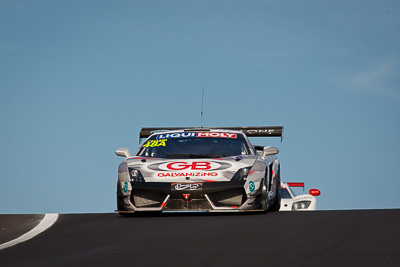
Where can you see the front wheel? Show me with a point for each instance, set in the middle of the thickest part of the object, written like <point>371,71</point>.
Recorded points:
<point>277,201</point>
<point>264,197</point>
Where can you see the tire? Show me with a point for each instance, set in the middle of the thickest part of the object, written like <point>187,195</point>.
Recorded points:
<point>264,197</point>
<point>277,201</point>
<point>120,200</point>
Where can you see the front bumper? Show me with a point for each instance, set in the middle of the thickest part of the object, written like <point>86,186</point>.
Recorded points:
<point>204,196</point>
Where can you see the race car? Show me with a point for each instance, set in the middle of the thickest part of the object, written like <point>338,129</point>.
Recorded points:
<point>200,169</point>
<point>291,201</point>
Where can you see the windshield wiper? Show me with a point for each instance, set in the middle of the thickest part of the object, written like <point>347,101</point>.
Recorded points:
<point>174,155</point>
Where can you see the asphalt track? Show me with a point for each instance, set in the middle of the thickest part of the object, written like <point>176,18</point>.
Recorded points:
<point>321,238</point>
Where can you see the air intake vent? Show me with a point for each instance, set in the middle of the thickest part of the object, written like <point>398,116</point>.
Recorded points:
<point>194,204</point>
<point>234,197</point>
<point>142,198</point>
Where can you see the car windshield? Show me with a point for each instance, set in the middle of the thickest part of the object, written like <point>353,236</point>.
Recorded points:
<point>194,145</point>
<point>285,193</point>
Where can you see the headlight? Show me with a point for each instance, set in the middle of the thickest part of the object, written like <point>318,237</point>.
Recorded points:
<point>301,205</point>
<point>136,175</point>
<point>241,174</point>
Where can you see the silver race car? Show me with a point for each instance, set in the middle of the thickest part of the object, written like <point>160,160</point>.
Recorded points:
<point>200,169</point>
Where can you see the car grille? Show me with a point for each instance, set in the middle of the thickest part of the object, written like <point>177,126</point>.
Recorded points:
<point>194,204</point>
<point>143,198</point>
<point>233,197</point>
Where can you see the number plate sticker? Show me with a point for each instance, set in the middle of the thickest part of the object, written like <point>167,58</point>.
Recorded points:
<point>186,186</point>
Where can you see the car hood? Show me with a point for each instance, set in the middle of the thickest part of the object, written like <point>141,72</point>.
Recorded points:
<point>189,170</point>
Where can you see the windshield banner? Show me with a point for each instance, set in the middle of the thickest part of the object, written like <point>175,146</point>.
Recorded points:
<point>199,134</point>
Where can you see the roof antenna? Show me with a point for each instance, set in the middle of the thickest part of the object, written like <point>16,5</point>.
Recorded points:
<point>202,105</point>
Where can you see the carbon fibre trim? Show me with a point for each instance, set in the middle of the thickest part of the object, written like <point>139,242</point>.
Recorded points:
<point>182,205</point>
<point>207,187</point>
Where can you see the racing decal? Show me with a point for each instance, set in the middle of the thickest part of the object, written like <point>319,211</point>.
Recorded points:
<point>186,174</point>
<point>176,135</point>
<point>190,165</point>
<point>125,188</point>
<point>267,131</point>
<point>252,186</point>
<point>223,135</point>
<point>199,134</point>
<point>186,186</point>
<point>199,165</point>
<point>186,196</point>
<point>155,143</point>
<point>303,197</point>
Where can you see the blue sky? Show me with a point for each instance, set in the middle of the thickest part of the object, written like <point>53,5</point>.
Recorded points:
<point>78,79</point>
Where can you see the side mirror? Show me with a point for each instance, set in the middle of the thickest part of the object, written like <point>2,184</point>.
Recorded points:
<point>123,152</point>
<point>269,150</point>
<point>314,192</point>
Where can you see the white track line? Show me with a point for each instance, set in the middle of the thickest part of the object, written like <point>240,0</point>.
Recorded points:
<point>48,220</point>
